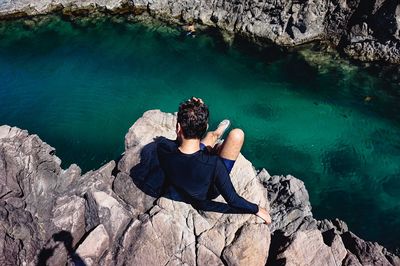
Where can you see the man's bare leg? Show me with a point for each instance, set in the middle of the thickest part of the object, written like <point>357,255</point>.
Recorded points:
<point>232,145</point>
<point>230,149</point>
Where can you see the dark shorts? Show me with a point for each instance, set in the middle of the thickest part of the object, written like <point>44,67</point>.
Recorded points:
<point>228,163</point>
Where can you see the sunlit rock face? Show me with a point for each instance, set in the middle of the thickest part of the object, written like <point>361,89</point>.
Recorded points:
<point>364,30</point>
<point>106,217</point>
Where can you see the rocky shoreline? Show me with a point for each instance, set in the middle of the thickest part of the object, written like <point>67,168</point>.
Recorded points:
<point>367,30</point>
<point>106,217</point>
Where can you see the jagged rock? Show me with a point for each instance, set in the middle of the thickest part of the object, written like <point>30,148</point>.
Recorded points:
<point>368,253</point>
<point>47,211</point>
<point>337,225</point>
<point>43,204</point>
<point>111,213</point>
<point>29,171</point>
<point>9,249</point>
<point>351,260</point>
<point>295,238</point>
<point>290,205</point>
<point>264,176</point>
<point>69,215</point>
<point>373,32</point>
<point>308,248</point>
<point>125,188</point>
<point>152,124</point>
<point>374,51</point>
<point>338,249</point>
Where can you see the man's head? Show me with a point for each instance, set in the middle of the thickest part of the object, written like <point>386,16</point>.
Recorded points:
<point>192,119</point>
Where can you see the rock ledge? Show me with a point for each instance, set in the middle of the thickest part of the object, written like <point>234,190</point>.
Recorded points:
<point>54,216</point>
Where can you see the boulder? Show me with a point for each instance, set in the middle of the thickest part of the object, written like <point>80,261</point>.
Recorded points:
<point>111,213</point>
<point>69,215</point>
<point>290,205</point>
<point>308,248</point>
<point>243,251</point>
<point>94,245</point>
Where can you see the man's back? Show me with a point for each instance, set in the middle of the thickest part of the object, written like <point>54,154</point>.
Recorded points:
<point>191,173</point>
<point>198,175</point>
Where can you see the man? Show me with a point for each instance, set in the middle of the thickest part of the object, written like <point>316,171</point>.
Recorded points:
<point>197,168</point>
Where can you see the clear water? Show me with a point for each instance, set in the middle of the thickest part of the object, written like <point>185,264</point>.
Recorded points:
<point>80,87</point>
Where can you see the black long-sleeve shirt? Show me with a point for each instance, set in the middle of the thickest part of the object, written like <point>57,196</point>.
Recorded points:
<point>196,173</point>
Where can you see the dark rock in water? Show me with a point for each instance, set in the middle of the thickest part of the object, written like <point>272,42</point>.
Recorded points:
<point>374,51</point>
<point>373,32</point>
<point>54,216</point>
<point>336,225</point>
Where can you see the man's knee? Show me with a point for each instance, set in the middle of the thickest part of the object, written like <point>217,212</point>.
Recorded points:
<point>237,135</point>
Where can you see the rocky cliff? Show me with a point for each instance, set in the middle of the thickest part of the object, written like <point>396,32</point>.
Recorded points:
<point>367,30</point>
<point>52,216</point>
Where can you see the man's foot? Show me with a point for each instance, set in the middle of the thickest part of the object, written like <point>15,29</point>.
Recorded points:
<point>222,127</point>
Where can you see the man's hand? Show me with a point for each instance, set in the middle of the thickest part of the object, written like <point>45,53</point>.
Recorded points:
<point>263,214</point>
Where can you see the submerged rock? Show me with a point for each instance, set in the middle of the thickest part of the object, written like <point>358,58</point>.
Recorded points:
<point>108,217</point>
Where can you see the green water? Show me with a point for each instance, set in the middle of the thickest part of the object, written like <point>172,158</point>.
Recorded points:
<point>80,87</point>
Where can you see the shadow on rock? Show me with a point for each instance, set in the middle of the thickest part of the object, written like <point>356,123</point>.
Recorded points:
<point>65,238</point>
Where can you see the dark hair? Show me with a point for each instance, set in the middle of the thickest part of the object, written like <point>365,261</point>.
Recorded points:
<point>193,118</point>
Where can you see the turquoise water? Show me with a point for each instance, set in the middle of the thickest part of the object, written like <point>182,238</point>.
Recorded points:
<point>80,87</point>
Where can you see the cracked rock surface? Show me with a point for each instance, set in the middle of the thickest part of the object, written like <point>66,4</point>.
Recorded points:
<point>52,216</point>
